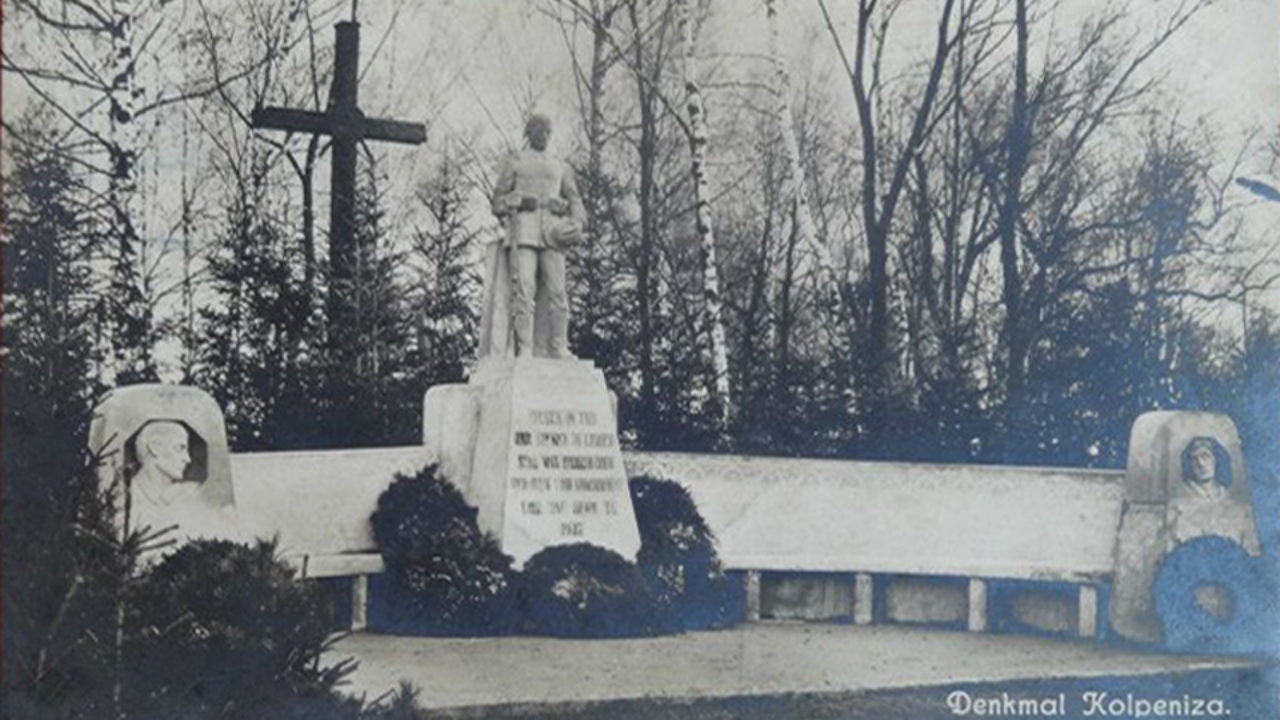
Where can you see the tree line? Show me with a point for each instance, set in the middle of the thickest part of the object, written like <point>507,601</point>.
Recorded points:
<point>1000,249</point>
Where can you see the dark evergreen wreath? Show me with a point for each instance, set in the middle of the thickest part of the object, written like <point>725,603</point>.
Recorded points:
<point>1248,583</point>
<point>678,558</point>
<point>448,576</point>
<point>584,590</point>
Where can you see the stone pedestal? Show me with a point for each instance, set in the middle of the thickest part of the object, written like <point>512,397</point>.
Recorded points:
<point>533,444</point>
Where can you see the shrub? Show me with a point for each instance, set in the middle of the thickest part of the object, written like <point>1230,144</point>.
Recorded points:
<point>584,590</point>
<point>447,577</point>
<point>678,558</point>
<point>450,577</point>
<point>221,627</point>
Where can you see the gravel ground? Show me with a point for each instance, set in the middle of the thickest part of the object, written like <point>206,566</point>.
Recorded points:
<point>789,670</point>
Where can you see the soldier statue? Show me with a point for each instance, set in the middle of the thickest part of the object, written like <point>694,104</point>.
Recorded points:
<point>536,198</point>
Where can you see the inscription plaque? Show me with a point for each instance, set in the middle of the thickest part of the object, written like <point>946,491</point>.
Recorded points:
<point>565,478</point>
<point>546,467</point>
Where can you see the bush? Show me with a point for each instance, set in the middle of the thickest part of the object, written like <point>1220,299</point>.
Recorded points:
<point>449,577</point>
<point>222,627</point>
<point>678,558</point>
<point>584,590</point>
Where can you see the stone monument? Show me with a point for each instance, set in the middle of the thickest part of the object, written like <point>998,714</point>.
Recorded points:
<point>1185,479</point>
<point>531,440</point>
<point>533,444</point>
<point>163,454</point>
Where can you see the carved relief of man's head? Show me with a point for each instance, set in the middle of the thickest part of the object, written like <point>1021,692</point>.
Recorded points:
<point>1204,461</point>
<point>538,130</point>
<point>164,447</point>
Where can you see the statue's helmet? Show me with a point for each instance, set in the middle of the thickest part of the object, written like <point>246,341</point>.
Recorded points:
<point>537,124</point>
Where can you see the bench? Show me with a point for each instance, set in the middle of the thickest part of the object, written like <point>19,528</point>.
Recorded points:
<point>317,504</point>
<point>770,515</point>
<point>788,515</point>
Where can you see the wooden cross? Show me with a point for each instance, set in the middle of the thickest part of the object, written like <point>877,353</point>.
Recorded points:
<point>347,125</point>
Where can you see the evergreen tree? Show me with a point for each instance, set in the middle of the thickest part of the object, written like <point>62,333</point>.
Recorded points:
<point>372,392</point>
<point>50,489</point>
<point>257,355</point>
<point>449,286</point>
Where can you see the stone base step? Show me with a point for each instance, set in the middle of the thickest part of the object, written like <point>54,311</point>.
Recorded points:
<point>765,661</point>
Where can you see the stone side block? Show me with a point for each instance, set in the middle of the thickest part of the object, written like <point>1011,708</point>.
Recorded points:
<point>1167,502</point>
<point>487,489</point>
<point>1139,548</point>
<point>1156,443</point>
<point>450,419</point>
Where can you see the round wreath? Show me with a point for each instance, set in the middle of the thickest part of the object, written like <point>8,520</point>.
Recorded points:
<point>1216,562</point>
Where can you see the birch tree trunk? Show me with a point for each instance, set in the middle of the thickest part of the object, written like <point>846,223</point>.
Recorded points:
<point>130,316</point>
<point>793,172</point>
<point>698,142</point>
<point>130,335</point>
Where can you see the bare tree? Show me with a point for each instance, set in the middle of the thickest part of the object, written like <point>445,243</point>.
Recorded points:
<point>885,167</point>
<point>699,139</point>
<point>794,178</point>
<point>1049,227</point>
<point>104,68</point>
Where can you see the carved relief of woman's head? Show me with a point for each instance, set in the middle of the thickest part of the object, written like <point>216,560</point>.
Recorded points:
<point>1205,461</point>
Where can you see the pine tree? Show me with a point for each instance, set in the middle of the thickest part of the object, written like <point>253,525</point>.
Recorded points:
<point>49,485</point>
<point>255,358</point>
<point>446,323</point>
<point>372,391</point>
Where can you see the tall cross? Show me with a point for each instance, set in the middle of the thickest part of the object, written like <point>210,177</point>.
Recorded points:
<point>344,121</point>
